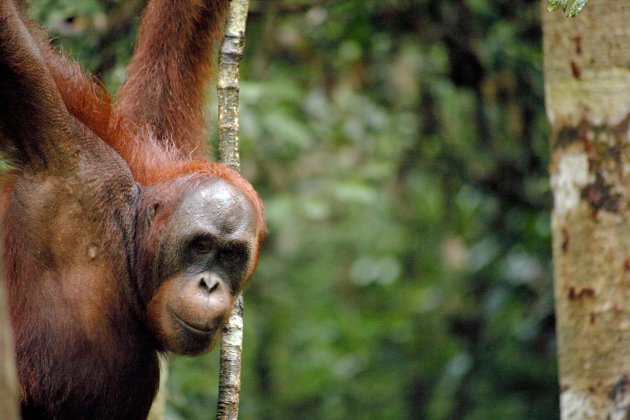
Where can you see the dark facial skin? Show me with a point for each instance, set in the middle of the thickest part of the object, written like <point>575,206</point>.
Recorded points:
<point>205,256</point>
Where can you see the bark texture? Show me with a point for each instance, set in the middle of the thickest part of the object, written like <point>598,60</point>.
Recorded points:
<point>587,89</point>
<point>228,83</point>
<point>230,370</point>
<point>228,97</point>
<point>158,408</point>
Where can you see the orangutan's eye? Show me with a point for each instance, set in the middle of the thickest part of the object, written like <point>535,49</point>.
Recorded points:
<point>201,246</point>
<point>233,254</point>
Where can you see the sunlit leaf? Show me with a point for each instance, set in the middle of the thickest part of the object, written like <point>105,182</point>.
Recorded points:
<point>576,7</point>
<point>557,4</point>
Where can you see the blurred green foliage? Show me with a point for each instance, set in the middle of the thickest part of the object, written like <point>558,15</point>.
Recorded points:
<point>400,148</point>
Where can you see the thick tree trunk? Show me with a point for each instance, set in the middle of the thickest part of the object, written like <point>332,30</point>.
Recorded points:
<point>587,87</point>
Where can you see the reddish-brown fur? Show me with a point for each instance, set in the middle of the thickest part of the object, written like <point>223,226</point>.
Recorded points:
<point>84,349</point>
<point>158,142</point>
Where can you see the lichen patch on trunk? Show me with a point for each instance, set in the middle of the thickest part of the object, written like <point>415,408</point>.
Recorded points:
<point>568,180</point>
<point>576,405</point>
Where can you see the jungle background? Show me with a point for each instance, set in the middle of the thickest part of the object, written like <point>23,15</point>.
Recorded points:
<point>400,147</point>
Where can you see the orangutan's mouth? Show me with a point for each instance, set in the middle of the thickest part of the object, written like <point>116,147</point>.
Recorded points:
<point>191,328</point>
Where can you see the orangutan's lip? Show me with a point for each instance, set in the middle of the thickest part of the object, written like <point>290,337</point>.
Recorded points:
<point>189,327</point>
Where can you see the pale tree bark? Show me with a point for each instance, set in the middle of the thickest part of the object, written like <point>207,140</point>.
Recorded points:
<point>587,88</point>
<point>228,97</point>
<point>9,390</point>
<point>158,408</point>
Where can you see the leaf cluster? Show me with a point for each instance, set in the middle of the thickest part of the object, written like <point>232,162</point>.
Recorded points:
<point>576,7</point>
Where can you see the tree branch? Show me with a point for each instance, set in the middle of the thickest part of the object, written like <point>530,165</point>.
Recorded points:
<point>228,95</point>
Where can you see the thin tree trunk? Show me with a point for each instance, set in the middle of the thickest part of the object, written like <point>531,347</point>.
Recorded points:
<point>228,96</point>
<point>9,390</point>
<point>587,87</point>
<point>158,408</point>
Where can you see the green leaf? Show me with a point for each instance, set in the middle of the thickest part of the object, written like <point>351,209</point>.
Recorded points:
<point>554,5</point>
<point>577,7</point>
